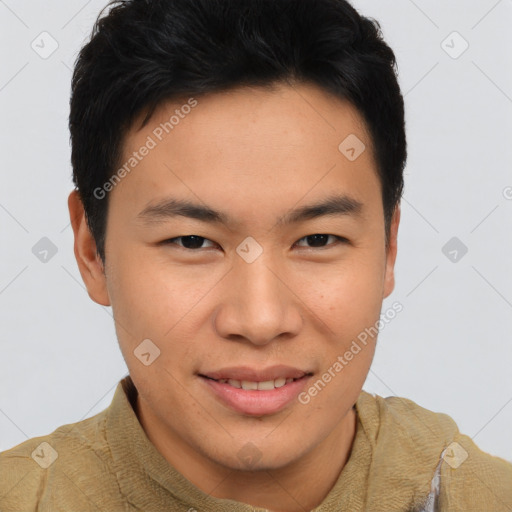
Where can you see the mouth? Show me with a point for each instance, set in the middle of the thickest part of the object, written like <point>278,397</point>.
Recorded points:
<point>280,373</point>
<point>266,385</point>
<point>256,393</point>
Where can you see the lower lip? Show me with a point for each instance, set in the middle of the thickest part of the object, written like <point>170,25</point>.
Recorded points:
<point>257,403</point>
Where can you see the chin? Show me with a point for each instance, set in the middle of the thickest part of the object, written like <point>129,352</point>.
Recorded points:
<point>251,456</point>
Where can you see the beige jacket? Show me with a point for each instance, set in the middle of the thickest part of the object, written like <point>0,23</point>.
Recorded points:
<point>106,463</point>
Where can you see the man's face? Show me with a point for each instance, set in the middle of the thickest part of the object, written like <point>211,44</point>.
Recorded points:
<point>258,292</point>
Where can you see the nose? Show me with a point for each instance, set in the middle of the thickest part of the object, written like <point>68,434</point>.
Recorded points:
<point>258,304</point>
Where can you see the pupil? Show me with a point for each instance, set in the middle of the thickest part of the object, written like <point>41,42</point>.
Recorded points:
<point>192,242</point>
<point>316,240</point>
<point>195,242</point>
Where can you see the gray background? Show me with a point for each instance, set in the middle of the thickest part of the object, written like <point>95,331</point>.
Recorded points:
<point>449,349</point>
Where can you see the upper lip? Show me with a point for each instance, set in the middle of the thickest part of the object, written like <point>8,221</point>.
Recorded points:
<point>254,375</point>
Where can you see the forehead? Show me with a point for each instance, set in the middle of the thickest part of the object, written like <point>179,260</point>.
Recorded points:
<point>277,116</point>
<point>253,143</point>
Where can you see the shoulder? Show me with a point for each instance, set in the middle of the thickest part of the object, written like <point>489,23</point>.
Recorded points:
<point>413,424</point>
<point>64,460</point>
<point>475,479</point>
<point>469,477</point>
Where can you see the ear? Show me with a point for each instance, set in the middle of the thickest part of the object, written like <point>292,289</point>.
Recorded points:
<point>89,262</point>
<point>391,250</point>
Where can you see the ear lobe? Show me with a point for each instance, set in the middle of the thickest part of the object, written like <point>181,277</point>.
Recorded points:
<point>391,251</point>
<point>89,263</point>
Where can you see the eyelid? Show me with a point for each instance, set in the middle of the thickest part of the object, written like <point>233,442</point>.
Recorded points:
<point>339,240</point>
<point>170,241</point>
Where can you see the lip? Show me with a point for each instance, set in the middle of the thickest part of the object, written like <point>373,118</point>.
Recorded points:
<point>251,374</point>
<point>256,402</point>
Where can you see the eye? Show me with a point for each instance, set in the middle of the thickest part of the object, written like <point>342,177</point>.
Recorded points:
<point>319,240</point>
<point>191,242</point>
<point>195,242</point>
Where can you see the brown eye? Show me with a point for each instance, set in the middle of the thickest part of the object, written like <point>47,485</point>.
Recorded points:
<point>191,242</point>
<point>319,240</point>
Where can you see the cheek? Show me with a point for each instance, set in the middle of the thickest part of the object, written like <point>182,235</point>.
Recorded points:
<point>351,309</point>
<point>149,295</point>
<point>347,296</point>
<point>164,304</point>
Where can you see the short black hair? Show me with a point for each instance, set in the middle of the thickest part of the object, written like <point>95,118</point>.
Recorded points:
<point>146,52</point>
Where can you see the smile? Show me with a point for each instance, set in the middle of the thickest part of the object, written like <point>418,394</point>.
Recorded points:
<point>253,385</point>
<point>255,395</point>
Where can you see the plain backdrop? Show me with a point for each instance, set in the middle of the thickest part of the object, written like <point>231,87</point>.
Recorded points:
<point>449,350</point>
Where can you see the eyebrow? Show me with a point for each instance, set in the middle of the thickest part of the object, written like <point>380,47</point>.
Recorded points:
<point>338,205</point>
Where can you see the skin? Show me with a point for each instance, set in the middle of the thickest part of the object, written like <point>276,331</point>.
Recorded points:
<point>254,154</point>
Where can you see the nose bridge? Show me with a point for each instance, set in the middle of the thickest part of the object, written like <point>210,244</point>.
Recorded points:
<point>258,306</point>
<point>259,288</point>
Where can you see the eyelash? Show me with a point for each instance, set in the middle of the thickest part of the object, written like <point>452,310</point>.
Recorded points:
<point>170,241</point>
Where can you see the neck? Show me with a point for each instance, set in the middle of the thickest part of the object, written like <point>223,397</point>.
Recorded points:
<point>301,485</point>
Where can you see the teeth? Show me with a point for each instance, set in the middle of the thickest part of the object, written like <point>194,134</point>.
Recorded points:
<point>251,385</point>
<point>268,384</point>
<point>279,383</point>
